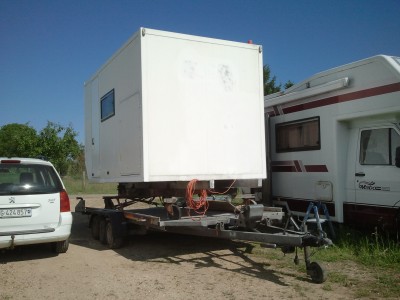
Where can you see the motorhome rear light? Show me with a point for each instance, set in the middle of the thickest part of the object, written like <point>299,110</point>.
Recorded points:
<point>64,202</point>
<point>10,161</point>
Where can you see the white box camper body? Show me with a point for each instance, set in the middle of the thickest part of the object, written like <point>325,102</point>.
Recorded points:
<point>173,107</point>
<point>334,138</point>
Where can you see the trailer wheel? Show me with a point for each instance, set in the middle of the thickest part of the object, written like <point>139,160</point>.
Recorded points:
<point>113,242</point>
<point>95,227</point>
<point>176,212</point>
<point>317,273</point>
<point>102,231</point>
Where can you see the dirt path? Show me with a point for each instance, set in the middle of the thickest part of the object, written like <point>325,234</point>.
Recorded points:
<point>156,266</point>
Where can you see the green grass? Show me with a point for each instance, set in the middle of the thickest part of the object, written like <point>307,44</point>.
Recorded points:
<point>377,253</point>
<point>78,186</point>
<point>367,264</point>
<point>369,249</point>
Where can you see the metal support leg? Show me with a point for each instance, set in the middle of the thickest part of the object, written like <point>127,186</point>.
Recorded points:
<point>315,209</point>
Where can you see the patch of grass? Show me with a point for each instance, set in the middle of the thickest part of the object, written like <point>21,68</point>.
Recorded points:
<point>327,287</point>
<point>368,249</point>
<point>365,264</point>
<point>78,186</point>
<point>341,279</point>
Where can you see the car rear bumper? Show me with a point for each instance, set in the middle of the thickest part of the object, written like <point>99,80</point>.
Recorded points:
<point>12,238</point>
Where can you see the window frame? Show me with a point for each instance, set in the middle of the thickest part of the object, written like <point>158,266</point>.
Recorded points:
<point>45,179</point>
<point>278,126</point>
<point>105,115</point>
<point>391,158</point>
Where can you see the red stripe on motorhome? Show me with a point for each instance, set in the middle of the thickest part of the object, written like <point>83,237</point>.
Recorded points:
<point>295,166</point>
<point>368,215</point>
<point>380,90</point>
<point>316,168</point>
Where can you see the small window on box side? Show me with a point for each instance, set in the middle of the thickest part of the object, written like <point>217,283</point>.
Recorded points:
<point>299,135</point>
<point>107,105</point>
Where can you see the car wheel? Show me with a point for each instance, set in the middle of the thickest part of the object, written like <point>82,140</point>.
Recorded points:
<point>60,247</point>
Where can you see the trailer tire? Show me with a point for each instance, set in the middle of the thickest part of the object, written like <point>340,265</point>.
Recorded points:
<point>317,273</point>
<point>102,230</point>
<point>113,241</point>
<point>95,227</point>
<point>176,213</point>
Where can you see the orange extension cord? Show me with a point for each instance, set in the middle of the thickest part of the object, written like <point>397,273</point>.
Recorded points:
<point>200,206</point>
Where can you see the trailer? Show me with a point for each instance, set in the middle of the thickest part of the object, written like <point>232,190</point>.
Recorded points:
<point>335,142</point>
<point>178,121</point>
<point>249,222</point>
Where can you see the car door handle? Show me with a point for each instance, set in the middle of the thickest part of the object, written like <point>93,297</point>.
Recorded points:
<point>360,174</point>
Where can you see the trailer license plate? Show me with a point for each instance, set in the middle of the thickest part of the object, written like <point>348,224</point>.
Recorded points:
<point>15,212</point>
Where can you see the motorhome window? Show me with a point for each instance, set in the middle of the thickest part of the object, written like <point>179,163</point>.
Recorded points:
<point>299,135</point>
<point>378,146</point>
<point>107,106</point>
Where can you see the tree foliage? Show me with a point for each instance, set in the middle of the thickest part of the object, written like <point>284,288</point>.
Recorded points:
<point>18,140</point>
<point>59,145</point>
<point>54,142</point>
<point>270,84</point>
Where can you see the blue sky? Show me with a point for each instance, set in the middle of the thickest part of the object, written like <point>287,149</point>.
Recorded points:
<point>49,48</point>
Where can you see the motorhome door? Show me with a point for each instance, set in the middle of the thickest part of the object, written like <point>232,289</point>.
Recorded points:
<point>377,179</point>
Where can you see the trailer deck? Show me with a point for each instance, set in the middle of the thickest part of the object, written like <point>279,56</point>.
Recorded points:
<point>250,223</point>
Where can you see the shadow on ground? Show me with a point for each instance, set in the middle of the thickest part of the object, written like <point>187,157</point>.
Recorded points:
<point>169,248</point>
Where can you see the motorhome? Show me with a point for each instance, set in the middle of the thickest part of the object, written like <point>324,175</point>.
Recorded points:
<point>335,139</point>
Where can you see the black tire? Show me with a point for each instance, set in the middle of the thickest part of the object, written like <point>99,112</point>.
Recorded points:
<point>113,241</point>
<point>288,249</point>
<point>60,247</point>
<point>95,227</point>
<point>176,213</point>
<point>102,231</point>
<point>317,273</point>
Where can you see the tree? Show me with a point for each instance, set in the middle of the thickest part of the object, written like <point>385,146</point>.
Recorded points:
<point>59,145</point>
<point>77,166</point>
<point>18,140</point>
<point>288,84</point>
<point>270,85</point>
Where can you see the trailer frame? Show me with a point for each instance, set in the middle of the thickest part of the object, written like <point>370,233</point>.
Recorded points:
<point>250,222</point>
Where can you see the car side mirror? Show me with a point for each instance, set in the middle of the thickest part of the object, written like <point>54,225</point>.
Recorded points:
<point>397,159</point>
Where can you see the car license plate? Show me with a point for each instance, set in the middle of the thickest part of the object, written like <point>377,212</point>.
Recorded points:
<point>15,212</point>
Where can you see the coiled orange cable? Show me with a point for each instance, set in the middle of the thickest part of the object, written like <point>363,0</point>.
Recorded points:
<point>200,205</point>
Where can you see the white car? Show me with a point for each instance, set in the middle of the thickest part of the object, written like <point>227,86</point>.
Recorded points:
<point>34,205</point>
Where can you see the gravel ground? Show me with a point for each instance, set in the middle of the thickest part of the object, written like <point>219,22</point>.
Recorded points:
<point>155,266</point>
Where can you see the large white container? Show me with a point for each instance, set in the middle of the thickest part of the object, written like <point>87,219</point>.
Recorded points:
<point>174,107</point>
